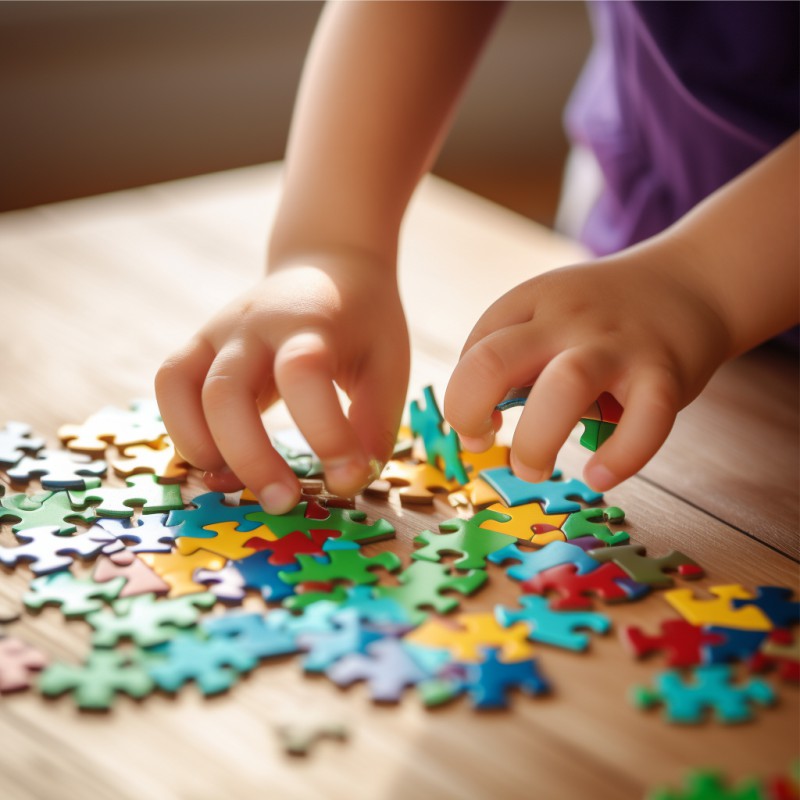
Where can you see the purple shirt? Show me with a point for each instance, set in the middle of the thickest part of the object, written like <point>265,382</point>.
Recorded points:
<point>676,99</point>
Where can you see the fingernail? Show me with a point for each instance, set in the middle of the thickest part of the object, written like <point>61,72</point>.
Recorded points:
<point>600,477</point>
<point>277,498</point>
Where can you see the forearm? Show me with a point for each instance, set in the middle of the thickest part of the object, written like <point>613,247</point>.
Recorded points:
<point>380,86</point>
<point>741,247</point>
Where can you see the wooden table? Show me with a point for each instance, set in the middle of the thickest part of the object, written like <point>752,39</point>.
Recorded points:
<point>96,292</point>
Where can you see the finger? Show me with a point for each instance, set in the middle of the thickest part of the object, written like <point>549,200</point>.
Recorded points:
<point>377,402</point>
<point>484,374</point>
<point>651,405</point>
<point>236,379</point>
<point>179,387</point>
<point>558,399</point>
<point>304,374</point>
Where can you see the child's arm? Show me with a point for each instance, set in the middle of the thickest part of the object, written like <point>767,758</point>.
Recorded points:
<point>650,325</point>
<point>380,85</point>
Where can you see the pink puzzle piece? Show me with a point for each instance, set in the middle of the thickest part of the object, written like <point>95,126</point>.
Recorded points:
<point>139,578</point>
<point>18,660</point>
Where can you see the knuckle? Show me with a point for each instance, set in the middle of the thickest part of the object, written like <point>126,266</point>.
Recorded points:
<point>216,392</point>
<point>572,373</point>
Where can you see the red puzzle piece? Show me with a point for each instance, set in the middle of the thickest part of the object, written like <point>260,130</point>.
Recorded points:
<point>574,590</point>
<point>284,550</point>
<point>680,640</point>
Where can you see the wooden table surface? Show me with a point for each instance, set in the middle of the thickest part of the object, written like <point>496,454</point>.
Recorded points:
<point>96,292</point>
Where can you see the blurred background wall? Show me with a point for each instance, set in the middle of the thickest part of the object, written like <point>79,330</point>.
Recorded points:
<point>99,96</point>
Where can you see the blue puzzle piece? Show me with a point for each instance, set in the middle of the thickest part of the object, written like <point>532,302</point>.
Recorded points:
<point>377,610</point>
<point>533,562</point>
<point>259,574</point>
<point>551,494</point>
<point>211,510</point>
<point>316,618</point>
<point>736,644</point>
<point>558,628</point>
<point>776,602</point>
<point>253,634</point>
<point>489,681</point>
<point>349,636</point>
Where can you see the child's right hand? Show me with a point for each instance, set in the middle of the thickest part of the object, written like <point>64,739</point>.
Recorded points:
<point>307,325</point>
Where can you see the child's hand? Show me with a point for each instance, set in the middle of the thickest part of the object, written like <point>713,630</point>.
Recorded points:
<point>622,325</point>
<point>305,326</point>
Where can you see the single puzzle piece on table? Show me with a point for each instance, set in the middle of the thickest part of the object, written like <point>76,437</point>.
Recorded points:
<point>591,522</point>
<point>422,585</point>
<point>467,638</point>
<point>471,539</point>
<point>477,493</point>
<point>111,425</point>
<point>141,490</point>
<point>533,562</point>
<point>679,640</point>
<point>351,635</point>
<point>229,542</point>
<point>720,609</point>
<point>178,570</point>
<point>307,517</point>
<point>226,584</point>
<point>147,535</point>
<point>709,785</point>
<point>710,687</point>
<point>210,509</point>
<point>776,603</point>
<point>253,633</point>
<point>340,565</point>
<point>557,628</point>
<point>18,663</point>
<point>43,509</point>
<point>48,550</point>
<point>76,596</point>
<point>528,523</point>
<point>146,620</point>
<point>387,667</point>
<point>15,441</point>
<point>442,449</point>
<point>632,560</point>
<point>298,740</point>
<point>138,577</point>
<point>574,590</point>
<point>553,494</point>
<point>213,664</point>
<point>57,469</point>
<point>257,573</point>
<point>781,652</point>
<point>96,683</point>
<point>490,681</point>
<point>733,644</point>
<point>159,459</point>
<point>417,483</point>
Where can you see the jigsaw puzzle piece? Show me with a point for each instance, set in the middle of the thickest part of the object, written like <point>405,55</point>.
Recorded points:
<point>210,508</point>
<point>226,584</point>
<point>43,509</point>
<point>476,493</point>
<point>776,603</point>
<point>470,539</point>
<point>138,577</point>
<point>490,680</point>
<point>178,570</point>
<point>340,565</point>
<point>213,664</point>
<point>297,740</point>
<point>533,562</point>
<point>712,688</point>
<point>632,560</point>
<point>422,585</point>
<point>96,683</point>
<point>591,522</point>
<point>147,535</point>
<point>48,550</point>
<point>682,642</point>
<point>159,459</point>
<point>284,551</point>
<point>719,610</point>
<point>781,652</point>
<point>351,635</point>
<point>381,611</point>
<point>57,469</point>
<point>146,620</point>
<point>296,452</point>
<point>471,634</point>
<point>574,590</point>
<point>259,574</point>
<point>553,494</point>
<point>557,628</point>
<point>733,644</point>
<point>528,523</point>
<point>15,441</point>
<point>255,634</point>
<point>708,785</point>
<point>141,424</point>
<point>18,662</point>
<point>76,596</point>
<point>141,490</point>
<point>229,542</point>
<point>418,483</point>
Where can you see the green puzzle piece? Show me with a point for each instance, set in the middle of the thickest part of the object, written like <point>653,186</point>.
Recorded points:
<point>422,584</point>
<point>76,596</point>
<point>96,683</point>
<point>705,784</point>
<point>465,538</point>
<point>589,522</point>
<point>141,490</point>
<point>45,509</point>
<point>340,565</point>
<point>632,560</point>
<point>595,432</point>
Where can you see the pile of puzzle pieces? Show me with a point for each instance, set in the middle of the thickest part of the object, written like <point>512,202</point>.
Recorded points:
<point>708,784</point>
<point>160,579</point>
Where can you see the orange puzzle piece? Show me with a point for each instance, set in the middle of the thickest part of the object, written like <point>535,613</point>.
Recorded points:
<point>529,523</point>
<point>178,570</point>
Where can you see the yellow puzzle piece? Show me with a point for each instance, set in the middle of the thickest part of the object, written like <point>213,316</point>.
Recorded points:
<point>177,570</point>
<point>477,493</point>
<point>159,459</point>
<point>419,483</point>
<point>475,631</point>
<point>228,541</point>
<point>719,610</point>
<point>529,523</point>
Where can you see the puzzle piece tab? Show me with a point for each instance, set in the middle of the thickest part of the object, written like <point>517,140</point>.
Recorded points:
<point>553,494</point>
<point>528,523</point>
<point>532,562</point>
